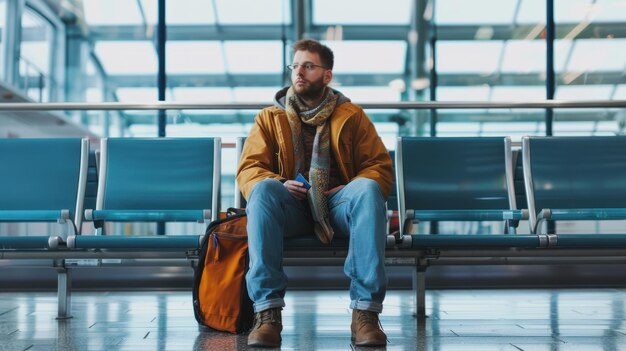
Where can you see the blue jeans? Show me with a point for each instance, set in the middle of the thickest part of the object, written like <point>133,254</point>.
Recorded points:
<point>357,212</point>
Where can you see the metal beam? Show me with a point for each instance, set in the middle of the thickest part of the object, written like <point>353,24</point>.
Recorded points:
<point>350,32</point>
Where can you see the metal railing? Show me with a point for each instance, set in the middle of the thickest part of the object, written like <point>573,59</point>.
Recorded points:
<point>405,105</point>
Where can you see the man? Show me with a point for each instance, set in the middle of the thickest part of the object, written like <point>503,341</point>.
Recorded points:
<point>315,133</point>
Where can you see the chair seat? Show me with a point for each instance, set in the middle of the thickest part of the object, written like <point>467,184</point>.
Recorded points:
<point>120,242</point>
<point>312,243</point>
<point>38,242</point>
<point>481,241</point>
<point>148,215</point>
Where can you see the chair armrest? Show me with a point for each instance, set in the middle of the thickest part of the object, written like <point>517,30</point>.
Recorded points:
<point>148,215</point>
<point>579,214</point>
<point>34,216</point>
<point>468,215</point>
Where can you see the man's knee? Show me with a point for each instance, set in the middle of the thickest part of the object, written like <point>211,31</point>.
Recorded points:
<point>369,190</point>
<point>267,189</point>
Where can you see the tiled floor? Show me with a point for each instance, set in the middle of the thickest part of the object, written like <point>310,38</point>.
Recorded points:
<point>458,320</point>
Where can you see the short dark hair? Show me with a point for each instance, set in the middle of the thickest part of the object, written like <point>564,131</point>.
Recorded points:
<point>326,54</point>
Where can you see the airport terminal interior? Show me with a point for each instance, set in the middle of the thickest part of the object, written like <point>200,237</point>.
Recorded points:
<point>477,101</point>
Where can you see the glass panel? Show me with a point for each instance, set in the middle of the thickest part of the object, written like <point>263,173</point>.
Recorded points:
<point>139,95</point>
<point>247,11</point>
<point>127,57</point>
<point>493,55</point>
<point>370,94</point>
<point>518,93</point>
<point>255,94</point>
<point>620,92</point>
<point>108,13</point>
<point>367,12</point>
<point>3,14</point>
<point>358,56</point>
<point>254,56</point>
<point>592,64</point>
<point>480,57</point>
<point>188,57</point>
<point>188,12</point>
<point>35,56</point>
<point>609,11</point>
<point>608,55</point>
<point>571,11</point>
<point>474,12</point>
<point>204,95</point>
<point>524,56</point>
<point>584,92</point>
<point>532,11</point>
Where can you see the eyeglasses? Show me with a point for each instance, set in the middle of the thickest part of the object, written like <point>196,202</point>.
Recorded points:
<point>307,66</point>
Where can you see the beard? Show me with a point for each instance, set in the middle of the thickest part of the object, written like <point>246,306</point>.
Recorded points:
<point>313,90</point>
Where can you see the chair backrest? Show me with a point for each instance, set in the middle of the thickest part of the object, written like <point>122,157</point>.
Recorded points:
<point>159,174</point>
<point>454,174</point>
<point>574,172</point>
<point>44,174</point>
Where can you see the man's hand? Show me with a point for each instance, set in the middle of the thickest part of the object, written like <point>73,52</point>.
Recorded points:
<point>333,190</point>
<point>296,189</point>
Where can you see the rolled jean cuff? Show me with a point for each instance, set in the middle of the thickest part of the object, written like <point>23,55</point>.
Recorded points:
<point>367,306</point>
<point>266,305</point>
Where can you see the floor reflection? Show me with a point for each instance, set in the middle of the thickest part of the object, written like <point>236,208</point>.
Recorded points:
<point>457,320</point>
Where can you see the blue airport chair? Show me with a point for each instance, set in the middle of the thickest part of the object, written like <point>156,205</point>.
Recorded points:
<point>576,178</point>
<point>455,179</point>
<point>154,180</point>
<point>42,180</point>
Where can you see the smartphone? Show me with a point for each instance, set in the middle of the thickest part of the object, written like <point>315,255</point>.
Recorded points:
<point>303,180</point>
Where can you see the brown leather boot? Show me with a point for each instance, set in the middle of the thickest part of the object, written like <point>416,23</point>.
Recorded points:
<point>366,329</point>
<point>266,330</point>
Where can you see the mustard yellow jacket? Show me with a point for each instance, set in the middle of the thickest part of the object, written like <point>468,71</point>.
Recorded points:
<point>358,150</point>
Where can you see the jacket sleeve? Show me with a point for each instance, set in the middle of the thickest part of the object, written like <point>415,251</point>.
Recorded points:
<point>371,158</point>
<point>259,159</point>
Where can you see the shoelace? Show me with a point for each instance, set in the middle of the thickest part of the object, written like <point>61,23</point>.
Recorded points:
<point>269,316</point>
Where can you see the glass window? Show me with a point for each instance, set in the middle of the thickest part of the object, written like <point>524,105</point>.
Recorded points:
<point>359,57</point>
<point>254,56</point>
<point>253,11</point>
<point>531,12</point>
<point>609,11</point>
<point>127,57</point>
<point>3,14</point>
<point>474,12</point>
<point>189,57</point>
<point>36,56</point>
<point>607,55</point>
<point>478,57</point>
<point>108,13</point>
<point>366,12</point>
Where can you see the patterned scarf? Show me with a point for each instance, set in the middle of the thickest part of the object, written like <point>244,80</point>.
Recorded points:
<point>298,113</point>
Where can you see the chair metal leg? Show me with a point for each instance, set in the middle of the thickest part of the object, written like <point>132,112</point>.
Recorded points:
<point>419,288</point>
<point>64,292</point>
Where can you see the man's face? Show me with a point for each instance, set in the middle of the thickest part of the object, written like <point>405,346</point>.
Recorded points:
<point>309,83</point>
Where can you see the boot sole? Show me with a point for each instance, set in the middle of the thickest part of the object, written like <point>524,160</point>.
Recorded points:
<point>264,344</point>
<point>368,342</point>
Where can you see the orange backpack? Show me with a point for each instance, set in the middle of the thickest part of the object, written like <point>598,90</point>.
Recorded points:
<point>220,296</point>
